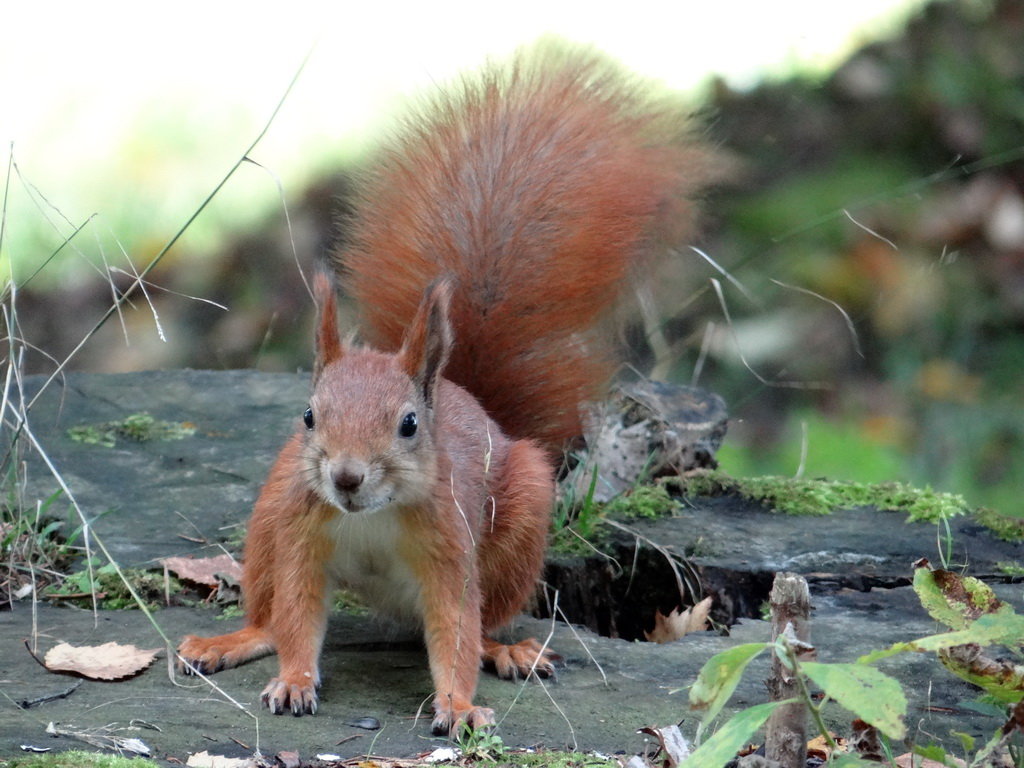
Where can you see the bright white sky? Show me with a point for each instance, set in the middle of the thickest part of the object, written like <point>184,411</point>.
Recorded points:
<point>137,109</point>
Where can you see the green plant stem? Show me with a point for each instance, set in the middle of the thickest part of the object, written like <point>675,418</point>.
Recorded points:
<point>814,709</point>
<point>986,755</point>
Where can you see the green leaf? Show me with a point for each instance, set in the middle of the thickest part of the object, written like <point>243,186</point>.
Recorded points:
<point>734,734</point>
<point>846,760</point>
<point>1002,680</point>
<point>719,677</point>
<point>984,705</point>
<point>990,629</point>
<point>870,694</point>
<point>1002,628</point>
<point>937,754</point>
<point>952,599</point>
<point>884,653</point>
<point>967,741</point>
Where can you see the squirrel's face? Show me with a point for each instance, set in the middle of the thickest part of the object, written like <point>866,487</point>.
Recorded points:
<point>369,441</point>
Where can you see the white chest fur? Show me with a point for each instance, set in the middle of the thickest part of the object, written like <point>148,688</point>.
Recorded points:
<point>366,560</point>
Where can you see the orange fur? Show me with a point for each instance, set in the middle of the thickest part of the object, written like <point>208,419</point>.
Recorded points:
<point>538,187</point>
<point>494,232</point>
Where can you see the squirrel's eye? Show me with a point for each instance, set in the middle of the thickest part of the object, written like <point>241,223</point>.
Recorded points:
<point>409,424</point>
<point>308,418</point>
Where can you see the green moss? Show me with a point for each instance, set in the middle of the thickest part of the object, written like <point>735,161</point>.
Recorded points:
<point>792,496</point>
<point>233,611</point>
<point>1006,528</point>
<point>644,501</point>
<point>75,759</point>
<point>235,541</point>
<point>349,602</point>
<point>584,530</point>
<point>138,427</point>
<point>569,540</point>
<point>1013,569</point>
<point>150,586</point>
<point>795,496</point>
<point>546,759</point>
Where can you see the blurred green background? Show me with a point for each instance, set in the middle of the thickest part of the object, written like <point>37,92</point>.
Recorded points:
<point>871,207</point>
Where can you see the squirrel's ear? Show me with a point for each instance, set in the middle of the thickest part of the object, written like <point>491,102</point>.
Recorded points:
<point>328,341</point>
<point>428,339</point>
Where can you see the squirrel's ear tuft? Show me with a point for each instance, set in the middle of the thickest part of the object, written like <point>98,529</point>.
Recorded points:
<point>328,341</point>
<point>428,339</point>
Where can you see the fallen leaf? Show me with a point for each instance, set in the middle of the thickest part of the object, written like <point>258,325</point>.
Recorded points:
<point>443,755</point>
<point>203,570</point>
<point>205,760</point>
<point>674,745</point>
<point>819,746</point>
<point>109,661</point>
<point>866,742</point>
<point>1016,721</point>
<point>676,624</point>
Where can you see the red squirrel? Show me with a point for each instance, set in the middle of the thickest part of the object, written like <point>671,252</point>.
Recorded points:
<point>492,234</point>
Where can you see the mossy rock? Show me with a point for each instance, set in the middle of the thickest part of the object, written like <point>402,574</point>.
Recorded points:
<point>138,427</point>
<point>803,496</point>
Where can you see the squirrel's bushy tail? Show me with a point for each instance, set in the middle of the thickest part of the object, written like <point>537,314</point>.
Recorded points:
<point>538,186</point>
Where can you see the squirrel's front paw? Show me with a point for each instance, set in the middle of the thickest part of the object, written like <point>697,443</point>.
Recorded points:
<point>207,655</point>
<point>448,720</point>
<point>297,696</point>
<point>200,654</point>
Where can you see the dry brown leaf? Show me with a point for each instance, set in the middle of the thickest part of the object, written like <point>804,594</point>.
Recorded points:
<point>819,746</point>
<point>109,661</point>
<point>203,570</point>
<point>674,746</point>
<point>866,741</point>
<point>676,624</point>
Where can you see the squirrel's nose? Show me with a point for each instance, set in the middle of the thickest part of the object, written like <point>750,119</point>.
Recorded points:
<point>348,478</point>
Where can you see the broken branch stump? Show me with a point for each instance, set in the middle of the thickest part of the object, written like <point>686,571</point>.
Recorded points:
<point>786,738</point>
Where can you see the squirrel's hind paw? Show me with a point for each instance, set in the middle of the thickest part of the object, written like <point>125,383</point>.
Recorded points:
<point>448,721</point>
<point>519,660</point>
<point>298,697</point>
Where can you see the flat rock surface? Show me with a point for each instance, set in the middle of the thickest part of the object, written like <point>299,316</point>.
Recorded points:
<point>155,499</point>
<point>606,691</point>
<point>856,548</point>
<point>158,498</point>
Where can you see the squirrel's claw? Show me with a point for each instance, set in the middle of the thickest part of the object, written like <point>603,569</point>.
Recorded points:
<point>198,655</point>
<point>520,660</point>
<point>448,721</point>
<point>206,655</point>
<point>281,696</point>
